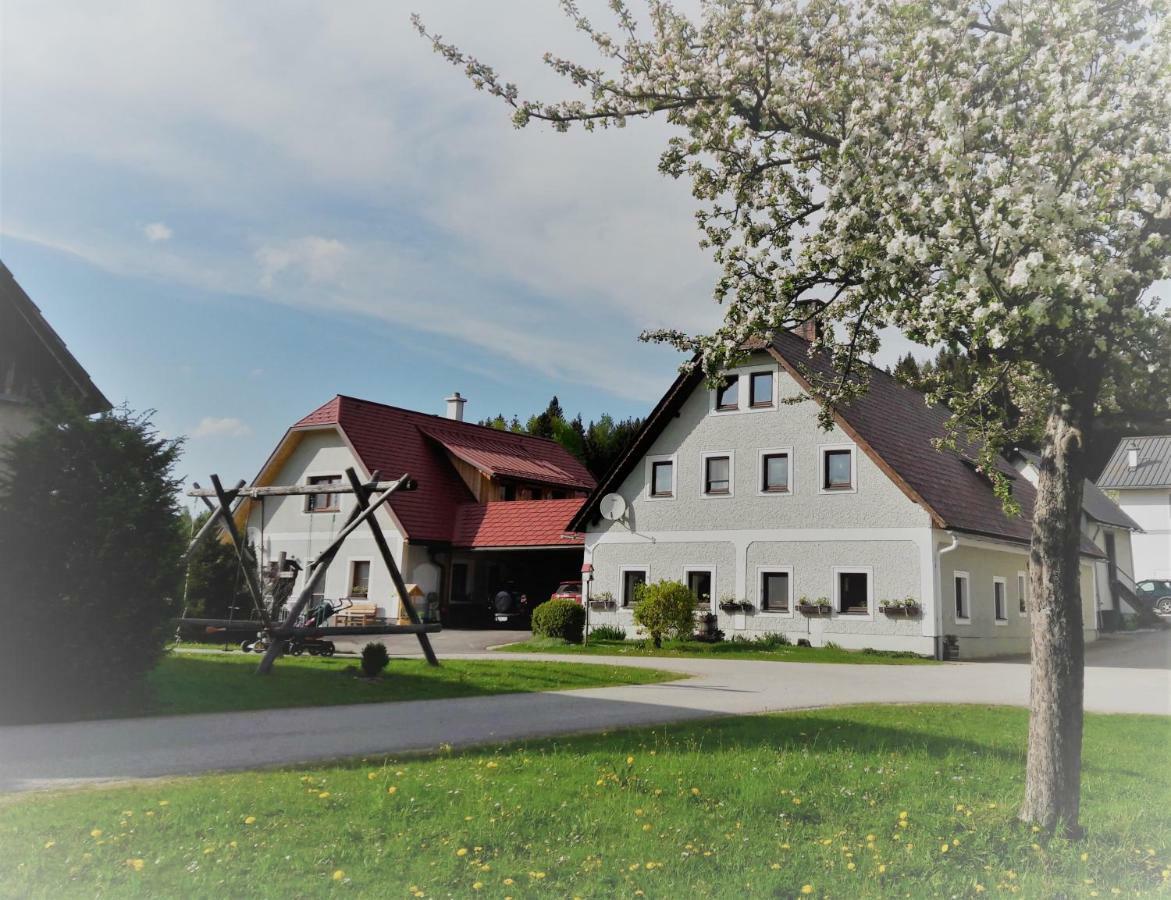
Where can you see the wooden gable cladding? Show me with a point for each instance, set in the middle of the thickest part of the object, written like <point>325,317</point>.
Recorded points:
<point>478,481</point>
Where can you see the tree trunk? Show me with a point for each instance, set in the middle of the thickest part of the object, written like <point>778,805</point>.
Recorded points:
<point>1053,773</point>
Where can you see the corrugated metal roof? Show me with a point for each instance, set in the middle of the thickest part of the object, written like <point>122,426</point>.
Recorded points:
<point>1153,469</point>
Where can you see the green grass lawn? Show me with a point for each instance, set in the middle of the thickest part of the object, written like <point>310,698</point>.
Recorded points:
<point>856,802</point>
<point>721,650</point>
<point>218,682</point>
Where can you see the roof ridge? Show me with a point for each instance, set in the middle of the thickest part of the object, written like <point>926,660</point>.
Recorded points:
<point>445,419</point>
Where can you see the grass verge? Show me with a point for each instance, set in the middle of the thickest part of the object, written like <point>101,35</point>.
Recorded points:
<point>722,650</point>
<point>849,802</point>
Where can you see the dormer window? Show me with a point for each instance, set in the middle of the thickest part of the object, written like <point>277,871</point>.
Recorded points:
<point>760,390</point>
<point>728,394</point>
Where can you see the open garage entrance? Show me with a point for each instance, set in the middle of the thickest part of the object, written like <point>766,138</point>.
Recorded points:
<point>477,576</point>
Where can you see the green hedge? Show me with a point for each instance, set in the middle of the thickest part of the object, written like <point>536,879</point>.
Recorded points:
<point>560,619</point>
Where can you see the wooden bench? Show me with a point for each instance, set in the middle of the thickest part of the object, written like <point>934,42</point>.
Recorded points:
<point>361,613</point>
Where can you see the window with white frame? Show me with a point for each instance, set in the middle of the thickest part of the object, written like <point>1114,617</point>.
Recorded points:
<point>776,587</point>
<point>661,477</point>
<point>760,390</point>
<point>701,582</point>
<point>999,600</point>
<point>717,474</point>
<point>359,578</point>
<point>853,594</point>
<point>1022,586</point>
<point>315,503</point>
<point>728,394</point>
<point>775,475</point>
<point>963,612</point>
<point>633,577</point>
<point>837,469</point>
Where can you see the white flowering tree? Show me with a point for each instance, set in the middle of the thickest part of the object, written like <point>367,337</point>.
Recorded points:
<point>991,175</point>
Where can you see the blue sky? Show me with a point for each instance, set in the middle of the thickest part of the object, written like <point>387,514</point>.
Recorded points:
<point>231,212</point>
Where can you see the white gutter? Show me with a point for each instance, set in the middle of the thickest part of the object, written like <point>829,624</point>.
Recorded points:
<point>955,542</point>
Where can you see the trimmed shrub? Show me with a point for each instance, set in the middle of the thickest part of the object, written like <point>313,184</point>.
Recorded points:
<point>560,619</point>
<point>665,609</point>
<point>374,659</point>
<point>90,545</point>
<point>608,633</point>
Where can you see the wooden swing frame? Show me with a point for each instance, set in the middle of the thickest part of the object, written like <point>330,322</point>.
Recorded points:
<point>370,495</point>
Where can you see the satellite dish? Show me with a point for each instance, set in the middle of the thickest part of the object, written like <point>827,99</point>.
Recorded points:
<point>612,507</point>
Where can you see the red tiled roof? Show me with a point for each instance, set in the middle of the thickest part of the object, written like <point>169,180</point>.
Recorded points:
<point>519,523</point>
<point>395,441</point>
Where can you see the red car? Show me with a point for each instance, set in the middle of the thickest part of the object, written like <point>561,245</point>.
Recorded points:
<point>568,590</point>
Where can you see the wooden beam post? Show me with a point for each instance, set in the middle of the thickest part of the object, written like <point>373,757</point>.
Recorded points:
<point>362,496</point>
<point>210,524</point>
<point>242,554</point>
<point>318,567</point>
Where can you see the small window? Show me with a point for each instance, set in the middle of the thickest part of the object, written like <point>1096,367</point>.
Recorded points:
<point>1021,587</point>
<point>774,473</point>
<point>999,600</point>
<point>760,391</point>
<point>662,478</point>
<point>853,593</point>
<point>961,597</point>
<point>632,580</point>
<point>359,579</point>
<point>510,492</point>
<point>728,393</point>
<point>774,591</point>
<point>323,502</point>
<point>717,475</point>
<point>839,470</point>
<point>699,582</point>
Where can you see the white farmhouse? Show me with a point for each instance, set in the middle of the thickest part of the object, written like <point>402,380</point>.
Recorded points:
<point>738,493</point>
<point>1138,477</point>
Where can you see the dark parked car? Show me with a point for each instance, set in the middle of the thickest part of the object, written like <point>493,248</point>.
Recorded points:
<point>1158,592</point>
<point>510,606</point>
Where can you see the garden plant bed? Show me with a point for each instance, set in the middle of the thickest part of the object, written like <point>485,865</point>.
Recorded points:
<point>718,650</point>
<point>221,682</point>
<point>851,802</point>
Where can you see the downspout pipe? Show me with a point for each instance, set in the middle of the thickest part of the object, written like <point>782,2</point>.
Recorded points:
<point>955,542</point>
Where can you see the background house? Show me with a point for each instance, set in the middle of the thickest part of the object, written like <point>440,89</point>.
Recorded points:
<point>1138,477</point>
<point>492,507</point>
<point>35,364</point>
<point>738,493</point>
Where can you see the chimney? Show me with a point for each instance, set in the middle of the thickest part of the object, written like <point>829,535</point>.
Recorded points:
<point>455,407</point>
<point>811,328</point>
<point>1132,456</point>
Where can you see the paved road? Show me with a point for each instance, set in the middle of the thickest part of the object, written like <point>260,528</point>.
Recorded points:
<point>448,642</point>
<point>58,755</point>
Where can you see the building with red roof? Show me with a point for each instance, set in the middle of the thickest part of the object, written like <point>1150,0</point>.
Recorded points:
<point>492,508</point>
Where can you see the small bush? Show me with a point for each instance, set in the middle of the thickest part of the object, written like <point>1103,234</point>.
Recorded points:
<point>665,609</point>
<point>374,659</point>
<point>560,619</point>
<point>608,633</point>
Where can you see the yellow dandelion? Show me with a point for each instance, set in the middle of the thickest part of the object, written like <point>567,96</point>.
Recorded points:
<point>50,844</point>
<point>509,881</point>
<point>476,885</point>
<point>695,792</point>
<point>796,801</point>
<point>902,823</point>
<point>250,820</point>
<point>1085,856</point>
<point>492,765</point>
<point>775,866</point>
<point>630,760</point>
<point>371,775</point>
<point>903,814</point>
<point>870,837</point>
<point>150,812</point>
<point>537,875</point>
<point>136,864</point>
<point>646,827</point>
<point>851,866</point>
<point>955,842</point>
<point>944,848</point>
<point>338,874</point>
<point>323,795</point>
<point>462,851</point>
<point>96,833</point>
<point>127,812</point>
<point>232,844</point>
<point>164,803</point>
<point>392,790</point>
<point>882,868</point>
<point>979,888</point>
<point>806,889</point>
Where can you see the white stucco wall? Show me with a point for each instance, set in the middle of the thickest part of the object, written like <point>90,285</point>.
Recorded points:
<point>877,502</point>
<point>1151,509</point>
<point>283,524</point>
<point>983,636</point>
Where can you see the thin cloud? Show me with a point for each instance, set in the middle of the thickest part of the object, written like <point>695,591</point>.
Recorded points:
<point>156,232</point>
<point>211,426</point>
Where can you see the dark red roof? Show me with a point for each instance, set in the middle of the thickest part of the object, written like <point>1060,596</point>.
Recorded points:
<point>395,441</point>
<point>896,425</point>
<point>520,523</point>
